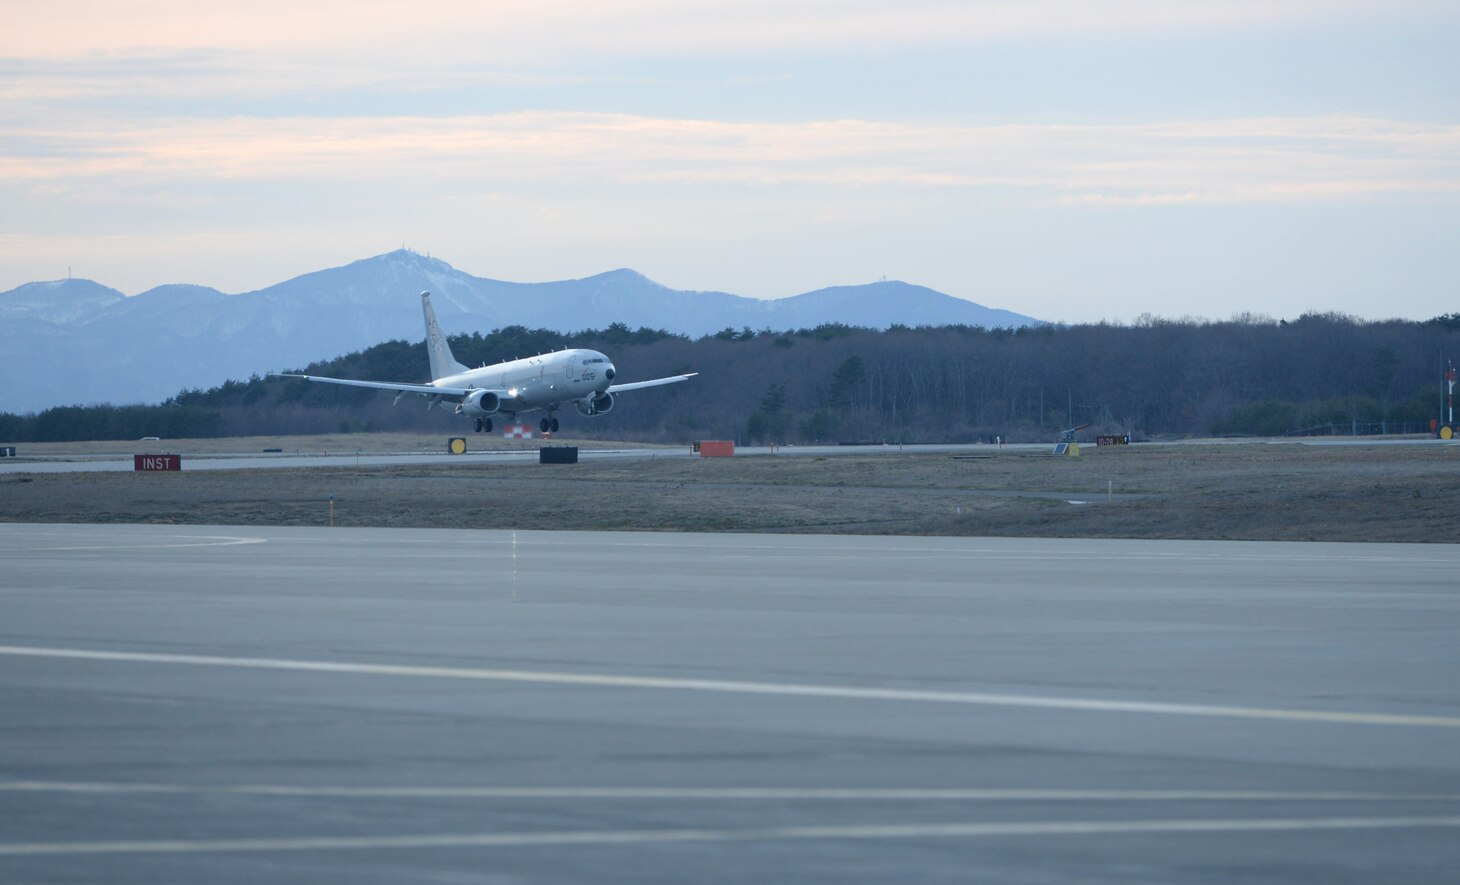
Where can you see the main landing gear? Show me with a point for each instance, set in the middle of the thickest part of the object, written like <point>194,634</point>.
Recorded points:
<point>484,425</point>
<point>548,425</point>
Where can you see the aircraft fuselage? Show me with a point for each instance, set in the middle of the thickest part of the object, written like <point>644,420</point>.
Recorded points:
<point>539,381</point>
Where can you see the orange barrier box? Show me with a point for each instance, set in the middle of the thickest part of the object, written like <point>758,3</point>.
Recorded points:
<point>715,448</point>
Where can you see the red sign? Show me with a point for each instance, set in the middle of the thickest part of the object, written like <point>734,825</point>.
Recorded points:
<point>156,462</point>
<point>715,448</point>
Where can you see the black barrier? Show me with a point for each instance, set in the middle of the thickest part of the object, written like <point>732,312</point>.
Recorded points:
<point>7,451</point>
<point>557,455</point>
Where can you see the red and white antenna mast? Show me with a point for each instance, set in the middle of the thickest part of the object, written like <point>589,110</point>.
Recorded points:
<point>1450,382</point>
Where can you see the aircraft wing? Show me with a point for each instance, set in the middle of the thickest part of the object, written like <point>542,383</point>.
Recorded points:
<point>620,388</point>
<point>423,389</point>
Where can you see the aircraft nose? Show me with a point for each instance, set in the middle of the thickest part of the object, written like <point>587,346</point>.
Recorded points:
<point>609,373</point>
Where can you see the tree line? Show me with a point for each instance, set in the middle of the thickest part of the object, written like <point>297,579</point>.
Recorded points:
<point>1250,375</point>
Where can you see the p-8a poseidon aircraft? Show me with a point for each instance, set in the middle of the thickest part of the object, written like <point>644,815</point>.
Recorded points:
<point>581,377</point>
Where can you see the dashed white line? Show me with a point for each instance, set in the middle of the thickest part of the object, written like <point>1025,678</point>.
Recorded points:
<point>847,692</point>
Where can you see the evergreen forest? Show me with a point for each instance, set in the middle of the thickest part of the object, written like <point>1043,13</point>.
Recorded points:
<point>1153,378</point>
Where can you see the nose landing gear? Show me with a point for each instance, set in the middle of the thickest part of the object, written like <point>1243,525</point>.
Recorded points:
<point>548,425</point>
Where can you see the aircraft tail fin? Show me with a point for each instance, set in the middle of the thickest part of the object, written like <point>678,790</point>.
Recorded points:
<point>442,362</point>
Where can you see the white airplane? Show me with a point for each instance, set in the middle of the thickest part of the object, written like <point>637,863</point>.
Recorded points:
<point>581,377</point>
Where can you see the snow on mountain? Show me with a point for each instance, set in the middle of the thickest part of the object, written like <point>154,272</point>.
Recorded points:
<point>60,301</point>
<point>148,347</point>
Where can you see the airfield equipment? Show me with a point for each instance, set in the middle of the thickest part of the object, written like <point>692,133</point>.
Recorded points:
<point>1069,434</point>
<point>1447,429</point>
<point>1450,382</point>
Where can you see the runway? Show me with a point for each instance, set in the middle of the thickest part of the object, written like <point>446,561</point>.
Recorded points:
<point>122,463</point>
<point>224,704</point>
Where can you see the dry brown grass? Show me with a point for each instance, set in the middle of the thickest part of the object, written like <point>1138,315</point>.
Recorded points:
<point>1249,491</point>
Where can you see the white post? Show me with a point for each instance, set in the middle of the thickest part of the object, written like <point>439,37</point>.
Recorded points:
<point>1450,378</point>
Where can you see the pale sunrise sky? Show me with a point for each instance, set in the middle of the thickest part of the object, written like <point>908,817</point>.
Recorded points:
<point>1069,160</point>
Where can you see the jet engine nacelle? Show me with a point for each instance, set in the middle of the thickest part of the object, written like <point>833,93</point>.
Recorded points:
<point>482,403</point>
<point>601,404</point>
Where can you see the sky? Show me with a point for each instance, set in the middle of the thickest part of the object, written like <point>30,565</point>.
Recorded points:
<point>1073,160</point>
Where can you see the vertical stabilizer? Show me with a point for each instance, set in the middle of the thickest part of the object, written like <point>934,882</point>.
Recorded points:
<point>442,362</point>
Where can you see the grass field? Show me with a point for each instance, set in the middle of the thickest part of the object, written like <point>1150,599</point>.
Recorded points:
<point>1250,491</point>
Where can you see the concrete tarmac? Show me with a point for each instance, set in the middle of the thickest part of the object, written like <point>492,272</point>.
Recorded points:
<point>122,463</point>
<point>225,704</point>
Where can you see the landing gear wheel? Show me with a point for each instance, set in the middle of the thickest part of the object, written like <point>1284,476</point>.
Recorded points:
<point>479,425</point>
<point>486,425</point>
<point>545,426</point>
<point>553,425</point>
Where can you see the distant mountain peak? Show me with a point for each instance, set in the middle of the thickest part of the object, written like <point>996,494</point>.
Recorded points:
<point>180,336</point>
<point>57,301</point>
<point>408,258</point>
<point>70,286</point>
<point>622,276</point>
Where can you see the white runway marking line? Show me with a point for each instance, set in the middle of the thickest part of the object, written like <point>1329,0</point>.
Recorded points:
<point>777,794</point>
<point>197,541</point>
<point>796,833</point>
<point>750,688</point>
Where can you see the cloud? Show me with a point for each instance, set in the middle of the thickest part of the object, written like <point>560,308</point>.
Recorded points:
<point>552,31</point>
<point>1299,159</point>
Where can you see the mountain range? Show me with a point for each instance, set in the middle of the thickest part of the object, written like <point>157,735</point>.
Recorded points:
<point>75,341</point>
